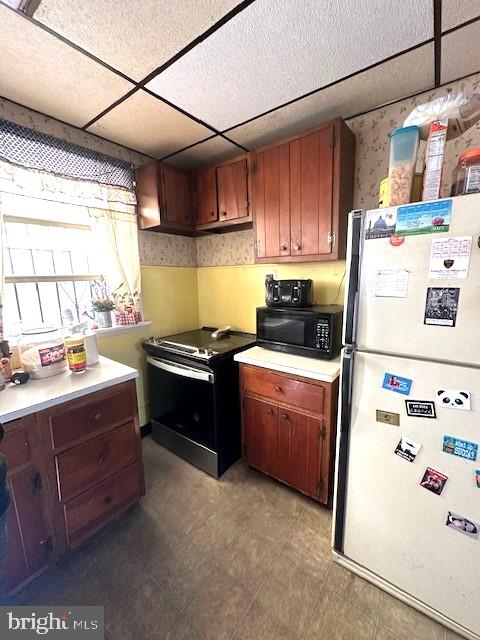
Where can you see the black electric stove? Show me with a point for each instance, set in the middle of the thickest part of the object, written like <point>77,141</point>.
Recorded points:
<point>194,396</point>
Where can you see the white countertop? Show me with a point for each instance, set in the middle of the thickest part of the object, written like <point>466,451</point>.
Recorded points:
<point>324,370</point>
<point>21,400</point>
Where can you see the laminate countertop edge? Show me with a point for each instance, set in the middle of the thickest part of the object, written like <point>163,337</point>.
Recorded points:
<point>314,368</point>
<point>18,401</point>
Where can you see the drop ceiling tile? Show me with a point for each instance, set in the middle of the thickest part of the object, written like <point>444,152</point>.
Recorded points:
<point>455,12</point>
<point>134,38</point>
<point>41,72</point>
<point>275,51</point>
<point>460,52</point>
<point>150,126</point>
<point>407,74</point>
<point>209,152</point>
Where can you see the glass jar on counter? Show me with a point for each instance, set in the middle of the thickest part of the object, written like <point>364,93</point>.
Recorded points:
<point>42,352</point>
<point>466,177</point>
<point>76,354</point>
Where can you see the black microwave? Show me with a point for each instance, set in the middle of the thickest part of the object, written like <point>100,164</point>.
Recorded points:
<point>315,332</point>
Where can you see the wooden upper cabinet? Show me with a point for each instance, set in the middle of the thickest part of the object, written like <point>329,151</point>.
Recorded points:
<point>165,198</point>
<point>311,185</point>
<point>302,193</point>
<point>206,195</point>
<point>177,196</point>
<point>232,187</point>
<point>271,188</point>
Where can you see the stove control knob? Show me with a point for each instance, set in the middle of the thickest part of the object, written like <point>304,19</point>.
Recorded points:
<point>151,339</point>
<point>201,350</point>
<point>209,352</point>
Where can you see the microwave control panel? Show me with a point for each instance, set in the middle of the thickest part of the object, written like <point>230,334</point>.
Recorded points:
<point>323,335</point>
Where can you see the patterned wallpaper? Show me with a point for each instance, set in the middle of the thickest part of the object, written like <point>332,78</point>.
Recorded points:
<point>160,249</point>
<point>226,249</point>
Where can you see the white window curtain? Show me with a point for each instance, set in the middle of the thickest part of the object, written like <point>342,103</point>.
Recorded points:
<point>112,215</point>
<point>116,239</point>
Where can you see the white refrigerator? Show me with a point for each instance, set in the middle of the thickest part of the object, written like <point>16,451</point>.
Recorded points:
<point>407,498</point>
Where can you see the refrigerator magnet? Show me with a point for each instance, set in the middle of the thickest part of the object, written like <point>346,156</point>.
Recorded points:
<point>397,383</point>
<point>477,477</point>
<point>433,480</point>
<point>420,408</point>
<point>388,417</point>
<point>460,448</point>
<point>462,524</point>
<point>425,217</point>
<point>380,223</point>
<point>441,306</point>
<point>407,449</point>
<point>450,258</point>
<point>454,399</point>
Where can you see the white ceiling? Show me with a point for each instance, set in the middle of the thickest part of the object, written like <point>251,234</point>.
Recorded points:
<point>275,51</point>
<point>221,66</point>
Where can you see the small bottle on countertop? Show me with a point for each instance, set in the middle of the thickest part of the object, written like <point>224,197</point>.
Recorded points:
<point>7,368</point>
<point>2,380</point>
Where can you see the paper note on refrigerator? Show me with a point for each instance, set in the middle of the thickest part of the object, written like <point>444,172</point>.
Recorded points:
<point>391,283</point>
<point>450,257</point>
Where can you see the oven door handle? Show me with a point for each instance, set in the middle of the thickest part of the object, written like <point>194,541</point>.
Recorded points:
<point>181,370</point>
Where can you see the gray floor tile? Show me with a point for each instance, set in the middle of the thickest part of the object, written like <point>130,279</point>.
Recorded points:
<point>358,592</point>
<point>259,624</point>
<point>289,595</point>
<point>336,619</point>
<point>406,623</point>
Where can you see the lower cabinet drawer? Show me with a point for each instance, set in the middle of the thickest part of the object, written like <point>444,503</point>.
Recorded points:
<point>94,507</point>
<point>83,467</point>
<point>283,389</point>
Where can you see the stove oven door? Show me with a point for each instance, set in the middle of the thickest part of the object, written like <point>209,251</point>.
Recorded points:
<point>182,398</point>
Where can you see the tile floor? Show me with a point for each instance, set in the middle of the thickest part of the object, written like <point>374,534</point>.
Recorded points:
<point>243,558</point>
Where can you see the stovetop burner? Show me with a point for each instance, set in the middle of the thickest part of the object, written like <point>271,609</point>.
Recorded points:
<point>199,344</point>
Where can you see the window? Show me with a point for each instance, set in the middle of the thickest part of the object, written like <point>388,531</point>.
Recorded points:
<point>49,261</point>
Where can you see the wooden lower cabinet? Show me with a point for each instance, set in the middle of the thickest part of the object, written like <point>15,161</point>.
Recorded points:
<point>288,427</point>
<point>71,469</point>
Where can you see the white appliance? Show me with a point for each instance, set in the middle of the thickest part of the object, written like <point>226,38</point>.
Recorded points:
<point>390,512</point>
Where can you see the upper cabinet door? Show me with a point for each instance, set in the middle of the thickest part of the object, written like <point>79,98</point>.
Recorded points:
<point>232,187</point>
<point>271,194</point>
<point>311,193</point>
<point>177,198</point>
<point>206,196</point>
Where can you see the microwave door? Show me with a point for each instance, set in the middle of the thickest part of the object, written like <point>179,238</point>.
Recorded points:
<point>283,330</point>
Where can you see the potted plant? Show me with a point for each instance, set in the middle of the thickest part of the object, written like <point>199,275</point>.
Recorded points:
<point>102,309</point>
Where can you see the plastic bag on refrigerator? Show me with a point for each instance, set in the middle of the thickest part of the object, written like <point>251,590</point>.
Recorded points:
<point>460,109</point>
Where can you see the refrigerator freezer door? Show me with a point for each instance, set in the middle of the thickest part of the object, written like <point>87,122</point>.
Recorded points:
<point>394,324</point>
<point>394,526</point>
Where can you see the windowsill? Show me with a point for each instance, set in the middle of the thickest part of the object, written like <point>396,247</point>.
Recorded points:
<point>118,330</point>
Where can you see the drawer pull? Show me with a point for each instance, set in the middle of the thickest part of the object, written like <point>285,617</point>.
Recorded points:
<point>108,500</point>
<point>285,416</point>
<point>98,416</point>
<point>101,458</point>
<point>36,481</point>
<point>278,388</point>
<point>269,412</point>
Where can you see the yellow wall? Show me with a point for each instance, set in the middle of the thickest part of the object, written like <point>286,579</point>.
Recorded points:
<point>230,295</point>
<point>170,300</point>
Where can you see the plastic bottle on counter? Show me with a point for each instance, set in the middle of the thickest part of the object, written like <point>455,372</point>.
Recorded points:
<point>42,352</point>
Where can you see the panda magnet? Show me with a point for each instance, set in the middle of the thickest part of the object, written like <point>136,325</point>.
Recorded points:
<point>453,399</point>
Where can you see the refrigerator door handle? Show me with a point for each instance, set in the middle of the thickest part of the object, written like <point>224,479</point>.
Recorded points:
<point>354,249</point>
<point>346,382</point>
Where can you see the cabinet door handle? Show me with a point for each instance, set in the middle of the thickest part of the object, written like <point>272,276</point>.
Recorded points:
<point>278,388</point>
<point>223,213</point>
<point>285,416</point>
<point>212,213</point>
<point>284,247</point>
<point>269,412</point>
<point>107,500</point>
<point>98,416</point>
<point>297,247</point>
<point>101,458</point>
